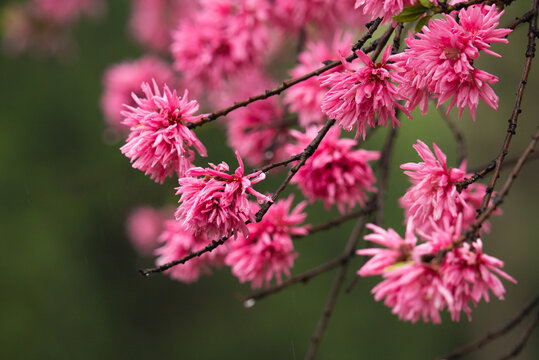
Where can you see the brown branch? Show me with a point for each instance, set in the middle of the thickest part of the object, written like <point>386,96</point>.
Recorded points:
<point>307,153</point>
<point>335,288</point>
<point>370,206</point>
<point>288,83</point>
<point>524,340</point>
<point>491,336</point>
<point>471,233</point>
<point>520,20</point>
<point>457,134</point>
<point>212,246</point>
<point>384,173</point>
<point>530,53</point>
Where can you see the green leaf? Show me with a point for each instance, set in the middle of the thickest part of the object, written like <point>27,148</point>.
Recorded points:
<point>422,22</point>
<point>426,3</point>
<point>410,13</point>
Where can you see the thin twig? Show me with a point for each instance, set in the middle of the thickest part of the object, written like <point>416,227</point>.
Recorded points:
<point>335,288</point>
<point>530,53</point>
<point>491,336</point>
<point>384,173</point>
<point>369,207</point>
<point>520,20</point>
<point>524,340</point>
<point>457,134</point>
<point>288,83</point>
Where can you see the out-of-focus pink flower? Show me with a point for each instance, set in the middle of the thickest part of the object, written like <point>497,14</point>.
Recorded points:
<point>152,21</point>
<point>335,173</point>
<point>397,250</point>
<point>306,97</point>
<point>440,60</point>
<point>179,242</point>
<point>258,131</point>
<point>295,14</point>
<point>223,38</point>
<point>68,11</point>
<point>160,142</point>
<point>382,8</point>
<point>215,203</point>
<point>433,197</point>
<point>268,250</point>
<point>360,94</point>
<point>122,80</point>
<point>469,274</point>
<point>143,225</point>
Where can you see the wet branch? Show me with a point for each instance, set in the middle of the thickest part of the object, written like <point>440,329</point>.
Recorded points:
<point>491,336</point>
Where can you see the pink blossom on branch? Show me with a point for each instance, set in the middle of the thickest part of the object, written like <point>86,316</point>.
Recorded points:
<point>268,251</point>
<point>440,60</point>
<point>335,173</point>
<point>121,80</point>
<point>306,97</point>
<point>215,202</point>
<point>160,142</point>
<point>179,242</point>
<point>362,94</point>
<point>433,197</point>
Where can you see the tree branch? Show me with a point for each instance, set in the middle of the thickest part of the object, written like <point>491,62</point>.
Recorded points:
<point>524,340</point>
<point>491,336</point>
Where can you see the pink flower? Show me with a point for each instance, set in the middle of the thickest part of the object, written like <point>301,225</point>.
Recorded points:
<point>295,14</point>
<point>397,250</point>
<point>469,274</point>
<point>440,61</point>
<point>215,203</point>
<point>433,196</point>
<point>335,173</point>
<point>121,80</point>
<point>159,142</point>
<point>223,38</point>
<point>268,250</point>
<point>143,225</point>
<point>361,93</point>
<point>152,21</point>
<point>258,131</point>
<point>179,242</point>
<point>67,11</point>
<point>382,8</point>
<point>306,97</point>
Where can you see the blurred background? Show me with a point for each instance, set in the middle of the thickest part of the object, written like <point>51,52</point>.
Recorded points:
<point>69,281</point>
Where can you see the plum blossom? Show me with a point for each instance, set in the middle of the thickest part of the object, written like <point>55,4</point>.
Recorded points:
<point>440,60</point>
<point>160,142</point>
<point>221,39</point>
<point>121,80</point>
<point>433,195</point>
<point>215,203</point>
<point>306,97</point>
<point>152,21</point>
<point>335,173</point>
<point>143,225</point>
<point>382,8</point>
<point>179,242</point>
<point>268,250</point>
<point>361,93</point>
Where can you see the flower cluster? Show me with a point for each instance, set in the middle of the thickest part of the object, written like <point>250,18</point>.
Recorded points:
<point>143,225</point>
<point>416,289</point>
<point>362,93</point>
<point>433,197</point>
<point>306,97</point>
<point>268,250</point>
<point>215,203</point>
<point>159,142</point>
<point>335,173</point>
<point>440,60</point>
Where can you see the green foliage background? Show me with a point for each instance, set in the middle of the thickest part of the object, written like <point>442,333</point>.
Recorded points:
<point>69,282</point>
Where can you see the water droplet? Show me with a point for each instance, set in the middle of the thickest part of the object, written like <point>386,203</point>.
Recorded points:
<point>249,303</point>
